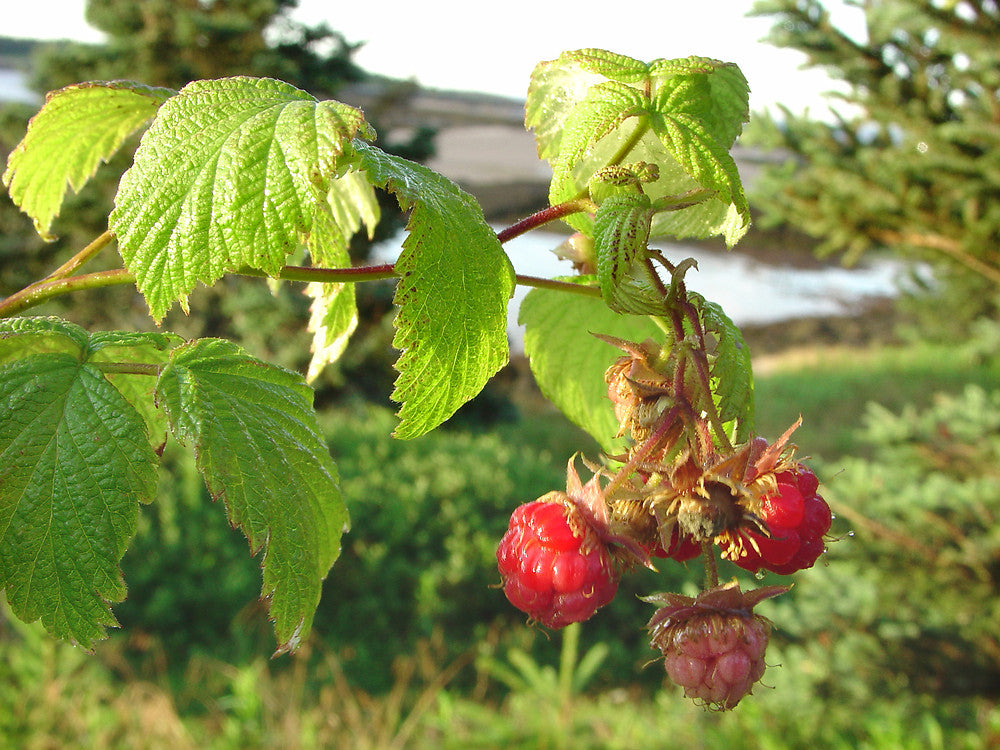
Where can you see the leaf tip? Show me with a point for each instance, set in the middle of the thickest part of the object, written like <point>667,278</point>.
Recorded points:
<point>292,643</point>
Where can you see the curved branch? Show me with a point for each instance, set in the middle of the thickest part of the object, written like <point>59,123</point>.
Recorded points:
<point>946,245</point>
<point>43,291</point>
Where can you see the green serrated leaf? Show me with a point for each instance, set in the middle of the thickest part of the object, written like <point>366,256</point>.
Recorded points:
<point>455,282</point>
<point>610,65</point>
<point>621,236</point>
<point>232,173</point>
<point>22,337</point>
<point>254,433</point>
<point>727,105</point>
<point>732,369</point>
<point>76,129</point>
<point>568,361</point>
<point>127,348</point>
<point>74,465</point>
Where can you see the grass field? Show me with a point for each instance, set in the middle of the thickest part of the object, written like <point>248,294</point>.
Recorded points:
<point>831,388</point>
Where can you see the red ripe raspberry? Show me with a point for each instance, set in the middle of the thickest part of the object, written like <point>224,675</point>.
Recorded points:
<point>554,566</point>
<point>713,645</point>
<point>815,523</point>
<point>797,518</point>
<point>785,507</point>
<point>682,547</point>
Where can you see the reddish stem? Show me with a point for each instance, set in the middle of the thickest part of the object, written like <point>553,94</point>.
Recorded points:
<point>546,215</point>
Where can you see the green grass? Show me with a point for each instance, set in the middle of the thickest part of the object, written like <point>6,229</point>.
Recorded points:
<point>831,391</point>
<point>54,695</point>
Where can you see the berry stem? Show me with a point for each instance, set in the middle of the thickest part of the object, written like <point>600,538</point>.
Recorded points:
<point>62,281</point>
<point>711,569</point>
<point>129,368</point>
<point>54,286</point>
<point>42,291</point>
<point>66,269</point>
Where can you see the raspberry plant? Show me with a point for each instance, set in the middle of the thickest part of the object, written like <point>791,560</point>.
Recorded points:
<point>254,177</point>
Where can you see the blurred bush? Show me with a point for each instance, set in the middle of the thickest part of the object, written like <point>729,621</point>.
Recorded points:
<point>906,609</point>
<point>420,558</point>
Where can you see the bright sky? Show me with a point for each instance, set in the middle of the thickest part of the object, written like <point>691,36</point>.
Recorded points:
<point>463,45</point>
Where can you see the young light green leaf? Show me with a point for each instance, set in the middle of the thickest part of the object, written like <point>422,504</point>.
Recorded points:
<point>568,361</point>
<point>682,115</point>
<point>553,93</point>
<point>232,173</point>
<point>74,465</point>
<point>605,107</point>
<point>621,236</point>
<point>557,86</point>
<point>727,105</point>
<point>732,370</point>
<point>455,282</point>
<point>678,121</point>
<point>254,433</point>
<point>76,129</point>
<point>353,204</point>
<point>334,311</point>
<point>610,65</point>
<point>333,317</point>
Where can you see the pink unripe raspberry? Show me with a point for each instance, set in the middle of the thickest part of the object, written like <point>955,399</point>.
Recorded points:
<point>717,659</point>
<point>713,645</point>
<point>554,566</point>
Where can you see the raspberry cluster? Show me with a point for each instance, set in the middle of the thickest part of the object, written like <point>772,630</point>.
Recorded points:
<point>683,490</point>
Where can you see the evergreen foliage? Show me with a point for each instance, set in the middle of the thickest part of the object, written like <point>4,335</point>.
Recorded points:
<point>909,597</point>
<point>911,160</point>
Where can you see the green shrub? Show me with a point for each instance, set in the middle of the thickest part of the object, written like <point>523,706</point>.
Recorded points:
<point>906,610</point>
